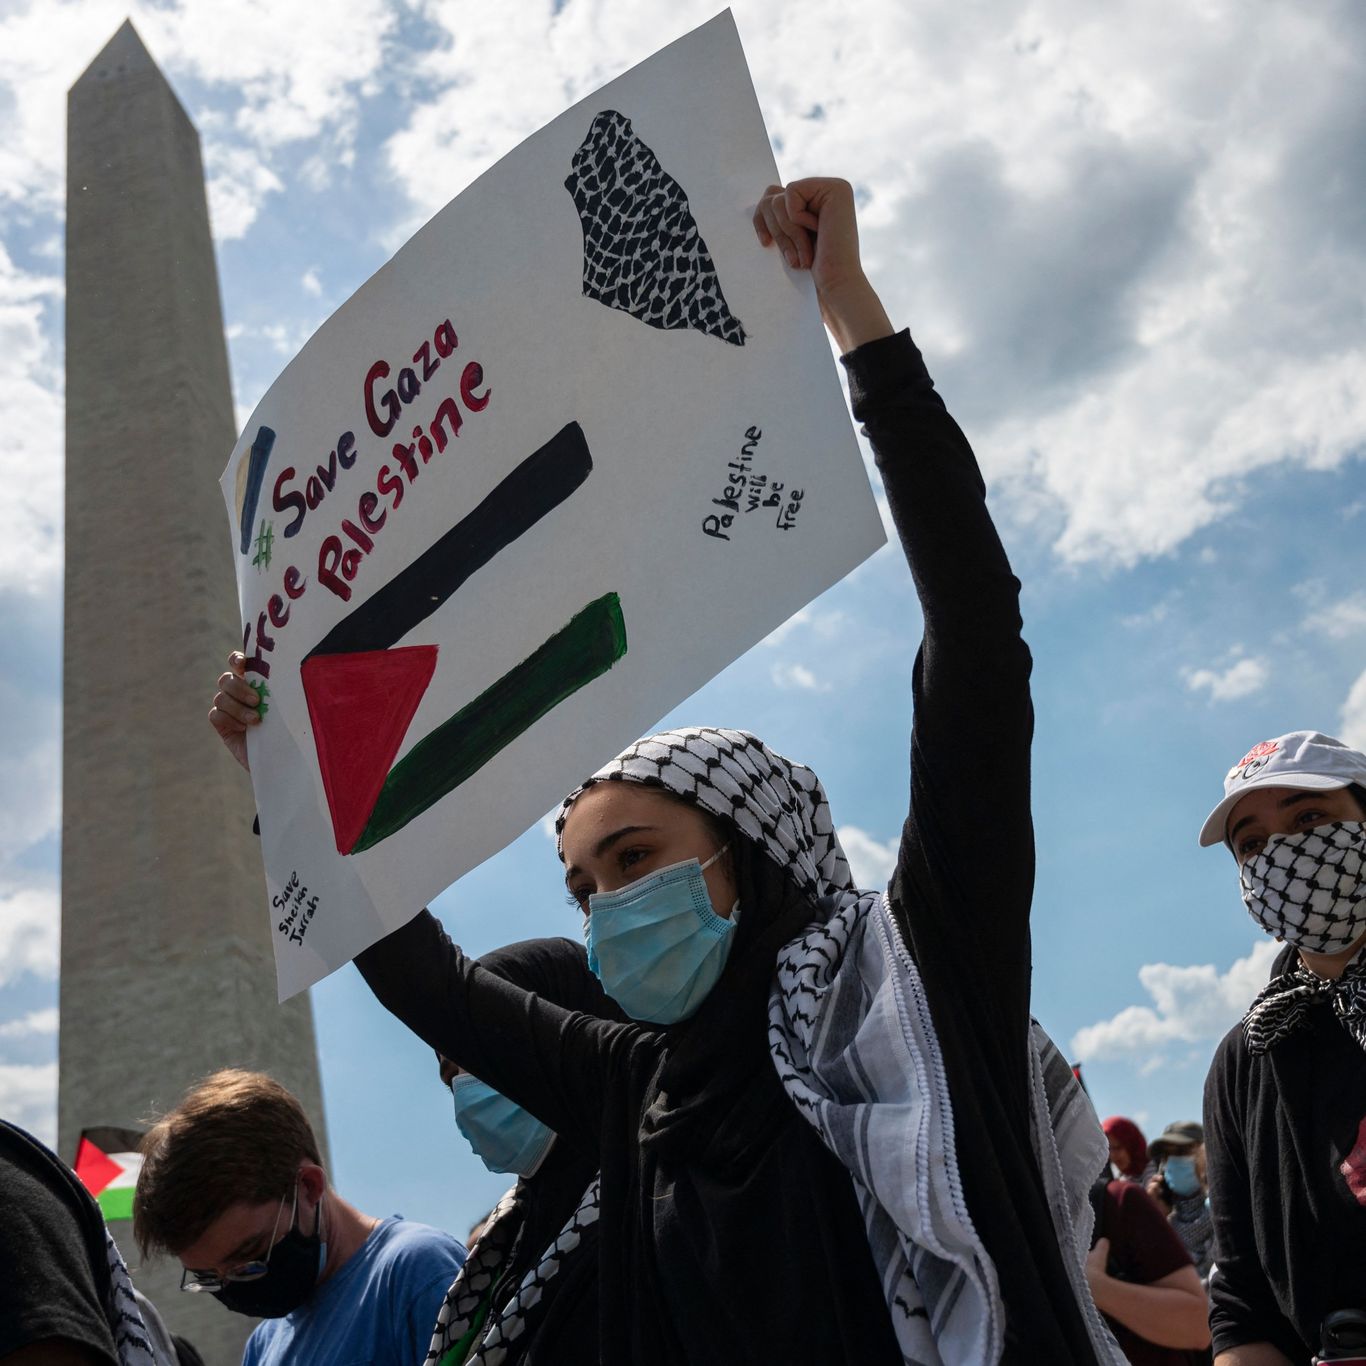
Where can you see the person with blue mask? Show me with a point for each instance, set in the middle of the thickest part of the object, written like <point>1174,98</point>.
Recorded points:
<point>830,1130</point>
<point>1177,1183</point>
<point>500,1294</point>
<point>502,1135</point>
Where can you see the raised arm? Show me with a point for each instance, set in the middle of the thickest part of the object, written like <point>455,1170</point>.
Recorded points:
<point>965,876</point>
<point>967,861</point>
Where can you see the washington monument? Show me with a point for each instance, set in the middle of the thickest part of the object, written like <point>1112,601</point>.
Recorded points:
<point>166,967</point>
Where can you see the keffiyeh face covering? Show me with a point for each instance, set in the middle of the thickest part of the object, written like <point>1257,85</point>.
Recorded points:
<point>1310,889</point>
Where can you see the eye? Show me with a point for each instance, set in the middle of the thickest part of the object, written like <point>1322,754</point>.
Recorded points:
<point>628,858</point>
<point>577,897</point>
<point>1311,817</point>
<point>255,1255</point>
<point>1252,844</point>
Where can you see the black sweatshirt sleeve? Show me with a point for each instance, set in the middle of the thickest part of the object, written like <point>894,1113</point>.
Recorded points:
<point>965,873</point>
<point>551,1061</point>
<point>556,969</point>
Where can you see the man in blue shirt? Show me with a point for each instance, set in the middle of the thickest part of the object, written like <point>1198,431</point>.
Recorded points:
<point>233,1185</point>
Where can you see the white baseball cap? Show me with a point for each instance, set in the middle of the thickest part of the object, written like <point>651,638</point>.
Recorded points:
<point>1304,758</point>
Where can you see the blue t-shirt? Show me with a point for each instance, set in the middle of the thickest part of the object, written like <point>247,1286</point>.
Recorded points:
<point>378,1310</point>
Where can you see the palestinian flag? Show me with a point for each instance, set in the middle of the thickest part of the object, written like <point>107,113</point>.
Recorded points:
<point>108,1162</point>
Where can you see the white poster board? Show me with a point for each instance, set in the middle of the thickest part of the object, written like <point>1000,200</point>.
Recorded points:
<point>577,447</point>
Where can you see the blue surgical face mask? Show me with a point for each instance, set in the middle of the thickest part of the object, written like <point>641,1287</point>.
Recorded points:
<point>1180,1176</point>
<point>656,945</point>
<point>505,1138</point>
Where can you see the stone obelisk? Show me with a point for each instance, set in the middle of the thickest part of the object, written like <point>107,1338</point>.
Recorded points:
<point>166,967</point>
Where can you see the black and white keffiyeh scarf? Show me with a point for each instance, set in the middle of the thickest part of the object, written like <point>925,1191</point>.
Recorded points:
<point>484,1319</point>
<point>855,1048</point>
<point>132,1341</point>
<point>1284,1006</point>
<point>778,804</point>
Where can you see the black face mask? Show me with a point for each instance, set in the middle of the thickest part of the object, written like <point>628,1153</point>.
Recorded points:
<point>293,1268</point>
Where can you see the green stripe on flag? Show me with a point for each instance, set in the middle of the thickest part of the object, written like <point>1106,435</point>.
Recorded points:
<point>116,1202</point>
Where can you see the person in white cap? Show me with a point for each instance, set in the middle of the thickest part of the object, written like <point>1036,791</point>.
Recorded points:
<point>1285,1100</point>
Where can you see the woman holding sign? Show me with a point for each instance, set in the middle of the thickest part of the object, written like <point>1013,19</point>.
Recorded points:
<point>835,1133</point>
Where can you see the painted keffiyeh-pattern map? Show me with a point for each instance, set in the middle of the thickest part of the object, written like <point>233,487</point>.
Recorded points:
<point>577,447</point>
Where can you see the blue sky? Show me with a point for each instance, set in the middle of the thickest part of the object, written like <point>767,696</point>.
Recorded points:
<point>1132,244</point>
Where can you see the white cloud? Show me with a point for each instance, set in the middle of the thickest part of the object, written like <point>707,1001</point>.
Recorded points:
<point>1353,725</point>
<point>28,1097</point>
<point>238,181</point>
<point>284,78</point>
<point>310,282</point>
<point>1152,616</point>
<point>1241,679</point>
<point>30,781</point>
<point>31,461</point>
<point>797,676</point>
<point>781,633</point>
<point>35,1023</point>
<point>1340,619</point>
<point>871,860</point>
<point>496,72</point>
<point>30,930</point>
<point>1190,1005</point>
<point>823,624</point>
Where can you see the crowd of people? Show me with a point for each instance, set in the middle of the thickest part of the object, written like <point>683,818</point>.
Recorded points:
<point>763,1115</point>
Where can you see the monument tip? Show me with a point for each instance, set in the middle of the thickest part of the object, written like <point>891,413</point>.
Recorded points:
<point>124,54</point>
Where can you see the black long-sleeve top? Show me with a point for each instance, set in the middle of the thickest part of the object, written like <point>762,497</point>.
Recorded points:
<point>1285,1147</point>
<point>759,1253</point>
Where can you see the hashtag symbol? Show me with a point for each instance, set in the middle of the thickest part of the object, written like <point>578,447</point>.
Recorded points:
<point>264,541</point>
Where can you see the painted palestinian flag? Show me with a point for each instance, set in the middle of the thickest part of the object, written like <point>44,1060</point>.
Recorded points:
<point>108,1162</point>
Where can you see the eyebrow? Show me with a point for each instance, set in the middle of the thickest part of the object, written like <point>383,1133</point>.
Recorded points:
<point>1284,804</point>
<point>605,843</point>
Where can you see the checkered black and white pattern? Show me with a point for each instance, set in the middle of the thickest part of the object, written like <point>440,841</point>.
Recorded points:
<point>779,804</point>
<point>642,251</point>
<point>507,1326</point>
<point>1286,1004</point>
<point>854,1044</point>
<point>132,1342</point>
<point>1309,889</point>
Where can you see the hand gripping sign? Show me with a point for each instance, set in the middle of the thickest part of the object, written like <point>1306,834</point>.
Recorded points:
<point>572,451</point>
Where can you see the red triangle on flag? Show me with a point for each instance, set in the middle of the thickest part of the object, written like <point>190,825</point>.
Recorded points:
<point>360,705</point>
<point>93,1167</point>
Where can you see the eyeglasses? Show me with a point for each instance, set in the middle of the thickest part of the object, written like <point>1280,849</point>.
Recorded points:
<point>195,1282</point>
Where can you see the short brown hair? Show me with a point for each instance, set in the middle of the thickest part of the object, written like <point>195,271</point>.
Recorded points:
<point>235,1137</point>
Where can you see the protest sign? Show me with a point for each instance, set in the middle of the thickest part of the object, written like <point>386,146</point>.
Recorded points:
<point>572,451</point>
